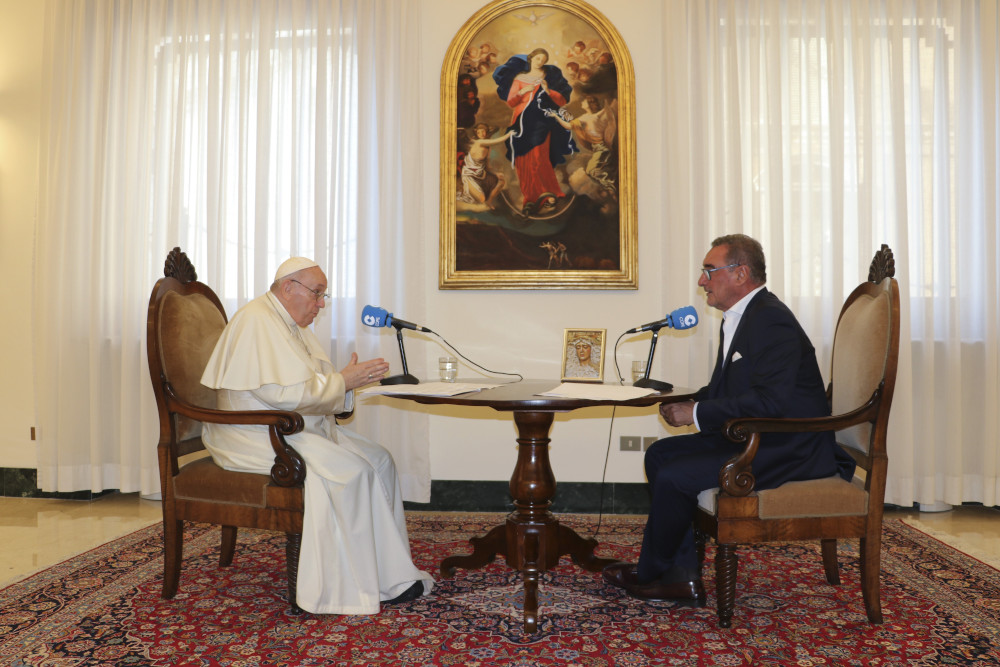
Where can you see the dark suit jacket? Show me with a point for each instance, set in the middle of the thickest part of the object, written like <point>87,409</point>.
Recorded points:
<point>770,370</point>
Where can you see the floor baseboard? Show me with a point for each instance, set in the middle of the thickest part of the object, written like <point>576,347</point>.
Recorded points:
<point>446,495</point>
<point>570,498</point>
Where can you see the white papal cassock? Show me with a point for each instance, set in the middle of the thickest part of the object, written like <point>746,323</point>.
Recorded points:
<point>355,549</point>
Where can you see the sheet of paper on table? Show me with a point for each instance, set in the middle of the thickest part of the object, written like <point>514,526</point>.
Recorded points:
<point>598,392</point>
<point>428,388</point>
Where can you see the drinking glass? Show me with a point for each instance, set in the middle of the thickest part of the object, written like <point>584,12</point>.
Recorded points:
<point>638,370</point>
<point>448,368</point>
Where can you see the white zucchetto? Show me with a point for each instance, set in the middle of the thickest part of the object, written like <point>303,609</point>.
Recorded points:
<point>293,265</point>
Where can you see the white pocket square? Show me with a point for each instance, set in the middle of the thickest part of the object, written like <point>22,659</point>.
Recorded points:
<point>736,356</point>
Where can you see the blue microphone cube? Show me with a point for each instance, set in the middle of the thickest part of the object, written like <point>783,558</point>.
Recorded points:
<point>373,316</point>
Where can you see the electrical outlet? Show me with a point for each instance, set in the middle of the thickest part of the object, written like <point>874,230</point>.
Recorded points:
<point>631,443</point>
<point>647,441</point>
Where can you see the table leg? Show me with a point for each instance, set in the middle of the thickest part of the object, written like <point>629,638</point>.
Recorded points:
<point>531,539</point>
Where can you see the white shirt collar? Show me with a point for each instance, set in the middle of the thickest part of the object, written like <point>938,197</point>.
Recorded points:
<point>740,306</point>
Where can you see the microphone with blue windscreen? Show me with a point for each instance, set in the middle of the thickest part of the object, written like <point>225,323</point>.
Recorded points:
<point>373,316</point>
<point>685,317</point>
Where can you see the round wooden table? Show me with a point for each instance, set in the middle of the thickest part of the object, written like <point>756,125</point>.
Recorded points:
<point>532,539</point>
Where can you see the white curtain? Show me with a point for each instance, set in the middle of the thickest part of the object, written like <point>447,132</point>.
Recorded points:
<point>245,133</point>
<point>825,128</point>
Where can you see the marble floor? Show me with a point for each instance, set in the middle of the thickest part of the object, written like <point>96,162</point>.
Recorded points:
<point>36,533</point>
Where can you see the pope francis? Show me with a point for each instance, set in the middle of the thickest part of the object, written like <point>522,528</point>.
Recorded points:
<point>355,551</point>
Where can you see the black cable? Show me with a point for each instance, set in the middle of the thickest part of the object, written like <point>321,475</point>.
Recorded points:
<point>604,473</point>
<point>611,428</point>
<point>453,349</point>
<point>621,380</point>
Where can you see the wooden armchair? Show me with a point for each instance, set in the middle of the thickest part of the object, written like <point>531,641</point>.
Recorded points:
<point>865,352</point>
<point>184,321</point>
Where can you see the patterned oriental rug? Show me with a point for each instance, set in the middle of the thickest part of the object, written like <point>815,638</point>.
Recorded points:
<point>941,607</point>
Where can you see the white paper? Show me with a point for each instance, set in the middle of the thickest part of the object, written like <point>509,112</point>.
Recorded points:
<point>598,392</point>
<point>427,389</point>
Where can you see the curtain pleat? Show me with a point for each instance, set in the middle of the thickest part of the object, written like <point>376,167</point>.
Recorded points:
<point>827,128</point>
<point>241,132</point>
<point>246,132</point>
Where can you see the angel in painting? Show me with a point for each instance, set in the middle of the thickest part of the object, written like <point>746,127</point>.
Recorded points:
<point>596,129</point>
<point>479,184</point>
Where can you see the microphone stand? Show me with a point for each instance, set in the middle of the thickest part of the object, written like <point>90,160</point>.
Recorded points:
<point>644,381</point>
<point>405,377</point>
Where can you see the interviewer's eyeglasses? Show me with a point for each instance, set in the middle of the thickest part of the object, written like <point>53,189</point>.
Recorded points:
<point>708,272</point>
<point>319,296</point>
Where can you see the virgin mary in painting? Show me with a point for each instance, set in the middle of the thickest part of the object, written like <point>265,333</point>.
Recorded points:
<point>535,91</point>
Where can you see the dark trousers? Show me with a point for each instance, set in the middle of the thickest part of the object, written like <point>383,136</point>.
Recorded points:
<point>677,470</point>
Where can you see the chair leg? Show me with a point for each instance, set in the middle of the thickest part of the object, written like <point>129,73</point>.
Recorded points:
<point>173,554</point>
<point>228,547</point>
<point>292,548</point>
<point>830,565</point>
<point>871,568</point>
<point>725,583</point>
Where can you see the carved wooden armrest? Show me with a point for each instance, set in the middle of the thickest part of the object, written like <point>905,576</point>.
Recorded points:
<point>289,469</point>
<point>736,477</point>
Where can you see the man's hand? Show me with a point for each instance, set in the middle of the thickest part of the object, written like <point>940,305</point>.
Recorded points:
<point>357,374</point>
<point>678,414</point>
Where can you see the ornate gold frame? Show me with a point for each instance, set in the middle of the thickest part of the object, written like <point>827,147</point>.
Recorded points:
<point>625,276</point>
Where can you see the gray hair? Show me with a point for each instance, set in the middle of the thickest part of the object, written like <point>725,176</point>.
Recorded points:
<point>747,251</point>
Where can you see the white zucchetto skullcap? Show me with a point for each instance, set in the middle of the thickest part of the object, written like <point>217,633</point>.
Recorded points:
<point>293,265</point>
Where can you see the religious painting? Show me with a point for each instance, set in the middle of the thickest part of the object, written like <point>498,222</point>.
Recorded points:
<point>583,355</point>
<point>538,151</point>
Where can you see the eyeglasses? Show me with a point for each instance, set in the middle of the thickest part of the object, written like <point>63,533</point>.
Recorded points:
<point>319,296</point>
<point>708,272</point>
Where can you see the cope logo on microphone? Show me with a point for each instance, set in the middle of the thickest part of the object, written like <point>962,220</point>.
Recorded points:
<point>689,320</point>
<point>369,320</point>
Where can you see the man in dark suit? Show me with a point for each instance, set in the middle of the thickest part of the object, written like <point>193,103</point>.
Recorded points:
<point>766,367</point>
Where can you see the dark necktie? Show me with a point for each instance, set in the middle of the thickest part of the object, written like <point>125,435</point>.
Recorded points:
<point>722,342</point>
<point>716,380</point>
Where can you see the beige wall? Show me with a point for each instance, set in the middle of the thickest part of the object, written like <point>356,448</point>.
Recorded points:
<point>522,330</point>
<point>20,104</point>
<point>504,330</point>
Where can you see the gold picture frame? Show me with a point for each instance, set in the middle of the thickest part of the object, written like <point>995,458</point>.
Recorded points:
<point>583,355</point>
<point>513,215</point>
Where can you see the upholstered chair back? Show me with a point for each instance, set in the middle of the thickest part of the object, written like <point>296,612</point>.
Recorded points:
<point>861,355</point>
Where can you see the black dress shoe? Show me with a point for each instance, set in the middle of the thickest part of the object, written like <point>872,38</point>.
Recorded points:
<point>623,575</point>
<point>617,574</point>
<point>410,594</point>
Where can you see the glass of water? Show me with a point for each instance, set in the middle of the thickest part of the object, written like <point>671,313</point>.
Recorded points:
<point>638,370</point>
<point>448,368</point>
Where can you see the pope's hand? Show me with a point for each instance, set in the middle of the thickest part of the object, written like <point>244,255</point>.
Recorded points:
<point>359,373</point>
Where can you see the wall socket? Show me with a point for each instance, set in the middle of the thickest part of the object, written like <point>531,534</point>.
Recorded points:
<point>635,443</point>
<point>631,443</point>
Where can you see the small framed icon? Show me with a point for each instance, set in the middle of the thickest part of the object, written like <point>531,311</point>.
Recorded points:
<point>583,355</point>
